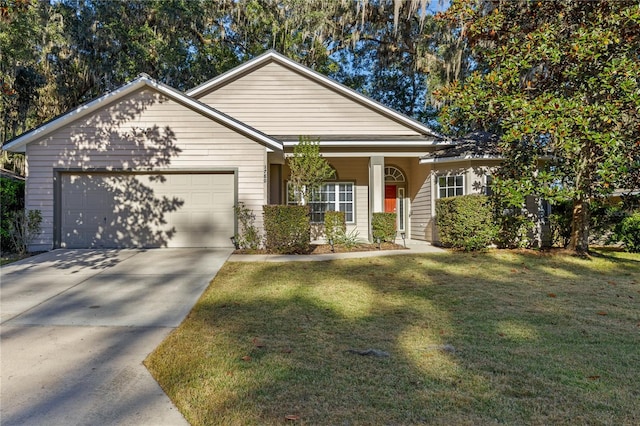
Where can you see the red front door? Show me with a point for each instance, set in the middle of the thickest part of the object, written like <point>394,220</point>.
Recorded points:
<point>390,195</point>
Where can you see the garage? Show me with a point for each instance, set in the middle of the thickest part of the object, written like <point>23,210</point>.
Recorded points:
<point>118,210</point>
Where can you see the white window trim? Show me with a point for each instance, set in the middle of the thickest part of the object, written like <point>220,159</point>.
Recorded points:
<point>337,197</point>
<point>454,175</point>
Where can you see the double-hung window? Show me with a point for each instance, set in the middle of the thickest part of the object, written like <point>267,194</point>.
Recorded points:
<point>331,196</point>
<point>450,186</point>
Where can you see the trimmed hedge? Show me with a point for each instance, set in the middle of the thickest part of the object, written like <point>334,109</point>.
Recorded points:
<point>628,232</point>
<point>465,222</point>
<point>335,225</point>
<point>383,226</point>
<point>287,229</point>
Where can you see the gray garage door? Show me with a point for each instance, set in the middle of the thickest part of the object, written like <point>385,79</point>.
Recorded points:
<point>146,210</point>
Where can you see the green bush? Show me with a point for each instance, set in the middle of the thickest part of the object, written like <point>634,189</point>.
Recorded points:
<point>287,229</point>
<point>248,236</point>
<point>11,200</point>
<point>628,232</point>
<point>384,226</point>
<point>560,223</point>
<point>335,225</point>
<point>465,222</point>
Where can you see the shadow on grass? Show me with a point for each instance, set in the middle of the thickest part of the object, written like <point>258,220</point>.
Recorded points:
<point>524,345</point>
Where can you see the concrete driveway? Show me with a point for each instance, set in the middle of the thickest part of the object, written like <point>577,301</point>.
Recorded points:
<point>77,324</point>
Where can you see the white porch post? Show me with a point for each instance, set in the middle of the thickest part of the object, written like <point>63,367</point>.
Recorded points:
<point>376,188</point>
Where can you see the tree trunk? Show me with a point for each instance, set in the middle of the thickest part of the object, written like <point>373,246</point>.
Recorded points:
<point>580,226</point>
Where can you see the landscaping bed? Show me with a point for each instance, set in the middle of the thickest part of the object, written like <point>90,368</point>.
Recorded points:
<point>326,248</point>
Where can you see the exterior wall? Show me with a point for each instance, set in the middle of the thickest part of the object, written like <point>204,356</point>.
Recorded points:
<point>353,170</point>
<point>279,101</point>
<point>144,131</point>
<point>474,181</point>
<point>421,199</point>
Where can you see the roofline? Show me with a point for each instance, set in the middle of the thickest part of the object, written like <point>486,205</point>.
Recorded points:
<point>19,144</point>
<point>431,160</point>
<point>364,143</point>
<point>272,55</point>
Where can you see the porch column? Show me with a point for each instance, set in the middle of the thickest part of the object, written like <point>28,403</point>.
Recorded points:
<point>376,188</point>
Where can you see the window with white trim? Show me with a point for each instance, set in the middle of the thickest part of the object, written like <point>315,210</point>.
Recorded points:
<point>332,196</point>
<point>450,186</point>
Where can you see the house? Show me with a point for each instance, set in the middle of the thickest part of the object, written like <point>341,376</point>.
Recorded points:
<point>149,166</point>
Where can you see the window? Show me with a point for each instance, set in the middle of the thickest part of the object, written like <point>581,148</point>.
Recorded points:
<point>330,197</point>
<point>450,186</point>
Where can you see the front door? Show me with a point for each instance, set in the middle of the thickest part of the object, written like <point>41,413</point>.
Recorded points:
<point>390,196</point>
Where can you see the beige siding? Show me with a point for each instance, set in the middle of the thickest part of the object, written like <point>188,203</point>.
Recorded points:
<point>142,132</point>
<point>421,198</point>
<point>279,101</point>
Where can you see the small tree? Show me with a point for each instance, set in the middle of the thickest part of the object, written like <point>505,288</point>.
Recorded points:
<point>308,169</point>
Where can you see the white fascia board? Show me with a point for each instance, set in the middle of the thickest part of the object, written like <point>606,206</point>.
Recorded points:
<point>386,154</point>
<point>455,159</point>
<point>19,144</point>
<point>283,60</point>
<point>390,144</point>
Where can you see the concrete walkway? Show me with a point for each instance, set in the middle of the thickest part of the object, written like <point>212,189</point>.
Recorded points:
<point>77,324</point>
<point>413,247</point>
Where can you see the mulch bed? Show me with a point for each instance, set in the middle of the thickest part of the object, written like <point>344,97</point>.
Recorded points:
<point>326,249</point>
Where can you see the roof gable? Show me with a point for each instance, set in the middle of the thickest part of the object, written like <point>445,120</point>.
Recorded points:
<point>19,143</point>
<point>272,59</point>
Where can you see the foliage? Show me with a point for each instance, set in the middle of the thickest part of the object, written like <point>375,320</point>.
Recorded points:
<point>334,225</point>
<point>287,229</point>
<point>383,226</point>
<point>514,227</point>
<point>558,82</point>
<point>560,223</point>
<point>348,240</point>
<point>465,222</point>
<point>605,217</point>
<point>628,232</point>
<point>24,226</point>
<point>248,236</point>
<point>11,200</point>
<point>308,170</point>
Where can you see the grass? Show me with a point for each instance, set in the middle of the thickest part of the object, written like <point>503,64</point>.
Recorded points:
<point>532,339</point>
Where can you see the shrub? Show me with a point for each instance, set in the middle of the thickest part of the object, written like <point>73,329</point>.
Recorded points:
<point>24,226</point>
<point>287,229</point>
<point>465,222</point>
<point>248,236</point>
<point>628,232</point>
<point>514,227</point>
<point>560,223</point>
<point>335,225</point>
<point>384,226</point>
<point>11,200</point>
<point>348,240</point>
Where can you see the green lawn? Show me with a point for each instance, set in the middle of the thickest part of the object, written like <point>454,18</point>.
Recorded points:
<point>532,339</point>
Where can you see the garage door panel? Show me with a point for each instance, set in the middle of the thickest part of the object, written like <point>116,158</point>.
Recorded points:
<point>155,210</point>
